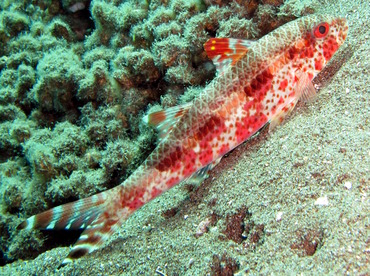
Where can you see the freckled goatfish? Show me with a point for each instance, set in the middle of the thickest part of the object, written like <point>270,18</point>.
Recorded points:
<point>258,83</point>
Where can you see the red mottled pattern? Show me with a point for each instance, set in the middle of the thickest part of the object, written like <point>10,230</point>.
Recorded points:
<point>259,83</point>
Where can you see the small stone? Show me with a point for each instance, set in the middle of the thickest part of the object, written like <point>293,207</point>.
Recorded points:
<point>279,216</point>
<point>203,227</point>
<point>323,201</point>
<point>348,185</point>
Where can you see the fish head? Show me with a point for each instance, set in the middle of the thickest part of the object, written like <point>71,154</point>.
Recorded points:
<point>328,34</point>
<point>321,36</point>
<point>338,29</point>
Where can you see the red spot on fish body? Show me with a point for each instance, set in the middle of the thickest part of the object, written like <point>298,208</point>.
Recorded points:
<point>170,160</point>
<point>318,64</point>
<point>330,47</point>
<point>248,91</point>
<point>283,85</point>
<point>135,204</point>
<point>134,197</point>
<point>223,149</point>
<point>188,164</point>
<point>293,52</point>
<point>250,125</point>
<point>155,192</point>
<point>172,181</point>
<point>206,154</point>
<point>248,105</point>
<point>308,52</point>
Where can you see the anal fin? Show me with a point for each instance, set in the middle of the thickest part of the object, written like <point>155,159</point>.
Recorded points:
<point>304,90</point>
<point>202,174</point>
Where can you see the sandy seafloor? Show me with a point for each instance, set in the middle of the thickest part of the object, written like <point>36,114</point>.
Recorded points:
<point>322,151</point>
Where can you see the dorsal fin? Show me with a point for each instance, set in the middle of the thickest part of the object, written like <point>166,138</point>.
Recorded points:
<point>226,51</point>
<point>164,120</point>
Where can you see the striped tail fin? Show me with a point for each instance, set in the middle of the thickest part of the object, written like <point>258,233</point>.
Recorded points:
<point>88,213</point>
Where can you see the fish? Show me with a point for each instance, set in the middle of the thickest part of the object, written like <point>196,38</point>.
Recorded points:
<point>258,83</point>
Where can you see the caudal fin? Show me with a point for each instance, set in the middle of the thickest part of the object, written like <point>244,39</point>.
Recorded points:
<point>88,213</point>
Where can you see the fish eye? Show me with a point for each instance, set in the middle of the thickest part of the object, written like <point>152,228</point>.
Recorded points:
<point>321,30</point>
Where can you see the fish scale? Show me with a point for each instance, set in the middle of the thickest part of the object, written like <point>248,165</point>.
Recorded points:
<point>257,83</point>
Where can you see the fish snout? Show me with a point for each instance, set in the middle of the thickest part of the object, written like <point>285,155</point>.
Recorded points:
<point>342,29</point>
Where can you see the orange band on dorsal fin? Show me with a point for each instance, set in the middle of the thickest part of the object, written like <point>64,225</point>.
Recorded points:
<point>226,51</point>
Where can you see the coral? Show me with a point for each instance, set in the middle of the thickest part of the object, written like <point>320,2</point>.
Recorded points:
<point>30,243</point>
<point>273,2</point>
<point>60,29</point>
<point>13,197</point>
<point>97,85</point>
<point>58,73</point>
<point>267,18</point>
<point>15,129</point>
<point>238,28</point>
<point>53,153</point>
<point>296,8</point>
<point>15,87</point>
<point>110,18</point>
<point>103,124</point>
<point>96,54</point>
<point>81,183</point>
<point>8,93</point>
<point>12,174</point>
<point>134,68</point>
<point>190,94</point>
<point>14,23</point>
<point>118,156</point>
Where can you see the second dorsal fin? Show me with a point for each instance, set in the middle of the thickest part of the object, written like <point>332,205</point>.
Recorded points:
<point>164,120</point>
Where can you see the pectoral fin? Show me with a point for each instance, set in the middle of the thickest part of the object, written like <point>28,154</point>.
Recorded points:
<point>304,90</point>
